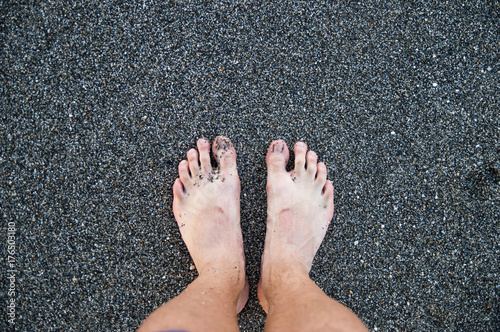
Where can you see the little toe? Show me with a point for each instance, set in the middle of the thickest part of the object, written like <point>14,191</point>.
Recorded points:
<point>328,190</point>
<point>194,165</point>
<point>224,153</point>
<point>204,150</point>
<point>184,175</point>
<point>312,161</point>
<point>277,156</point>
<point>321,174</point>
<point>300,150</point>
<point>328,197</point>
<point>178,189</point>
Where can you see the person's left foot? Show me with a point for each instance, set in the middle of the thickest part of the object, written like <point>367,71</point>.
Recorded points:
<point>207,209</point>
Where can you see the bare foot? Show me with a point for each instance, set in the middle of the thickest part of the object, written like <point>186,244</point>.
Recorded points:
<point>207,209</point>
<point>299,209</point>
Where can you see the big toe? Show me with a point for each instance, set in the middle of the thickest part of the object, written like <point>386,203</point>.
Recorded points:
<point>277,156</point>
<point>224,153</point>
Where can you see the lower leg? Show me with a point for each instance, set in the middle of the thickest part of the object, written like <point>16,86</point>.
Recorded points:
<point>296,303</point>
<point>209,303</point>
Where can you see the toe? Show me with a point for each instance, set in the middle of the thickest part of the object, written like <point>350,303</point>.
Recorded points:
<point>178,189</point>
<point>328,190</point>
<point>300,150</point>
<point>328,197</point>
<point>184,175</point>
<point>277,156</point>
<point>321,175</point>
<point>204,150</point>
<point>312,161</point>
<point>194,166</point>
<point>224,153</point>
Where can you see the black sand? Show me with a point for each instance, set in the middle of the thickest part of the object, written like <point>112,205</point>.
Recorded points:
<point>100,100</point>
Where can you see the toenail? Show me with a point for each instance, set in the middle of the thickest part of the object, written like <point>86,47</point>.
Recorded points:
<point>300,144</point>
<point>222,143</point>
<point>278,147</point>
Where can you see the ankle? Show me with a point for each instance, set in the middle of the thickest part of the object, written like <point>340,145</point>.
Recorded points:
<point>229,278</point>
<point>283,278</point>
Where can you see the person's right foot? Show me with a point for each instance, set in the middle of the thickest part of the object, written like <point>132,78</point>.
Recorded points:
<point>299,209</point>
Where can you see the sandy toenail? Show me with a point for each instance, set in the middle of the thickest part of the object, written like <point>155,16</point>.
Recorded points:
<point>278,147</point>
<point>222,143</point>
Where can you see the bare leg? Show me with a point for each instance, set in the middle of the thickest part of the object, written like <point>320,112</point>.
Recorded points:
<point>207,209</point>
<point>300,208</point>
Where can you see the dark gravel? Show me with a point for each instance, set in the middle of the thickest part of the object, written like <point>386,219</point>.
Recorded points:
<point>100,100</point>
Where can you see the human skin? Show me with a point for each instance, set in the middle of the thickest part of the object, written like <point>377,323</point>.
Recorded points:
<point>207,209</point>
